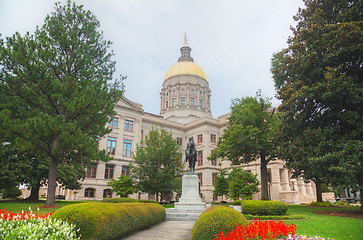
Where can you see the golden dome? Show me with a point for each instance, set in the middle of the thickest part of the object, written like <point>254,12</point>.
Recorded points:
<point>185,67</point>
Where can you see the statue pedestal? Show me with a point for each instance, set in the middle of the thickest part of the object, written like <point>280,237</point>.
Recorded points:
<point>190,205</point>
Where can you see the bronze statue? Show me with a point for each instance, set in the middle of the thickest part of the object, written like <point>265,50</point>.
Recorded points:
<point>191,155</point>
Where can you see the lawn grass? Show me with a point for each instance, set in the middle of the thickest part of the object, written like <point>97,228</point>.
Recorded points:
<point>337,228</point>
<point>17,206</point>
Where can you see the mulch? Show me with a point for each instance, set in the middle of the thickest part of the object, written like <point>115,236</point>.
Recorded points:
<point>342,213</point>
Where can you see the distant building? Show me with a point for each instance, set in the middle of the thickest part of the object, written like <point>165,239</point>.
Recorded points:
<point>185,111</point>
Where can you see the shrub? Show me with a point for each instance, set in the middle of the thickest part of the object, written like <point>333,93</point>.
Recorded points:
<point>118,200</point>
<point>342,204</point>
<point>263,208</point>
<point>215,219</point>
<point>97,220</point>
<point>11,192</point>
<point>146,201</point>
<point>321,204</point>
<point>122,200</point>
<point>276,217</point>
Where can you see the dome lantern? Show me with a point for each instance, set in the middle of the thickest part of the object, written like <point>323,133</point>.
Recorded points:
<point>185,51</point>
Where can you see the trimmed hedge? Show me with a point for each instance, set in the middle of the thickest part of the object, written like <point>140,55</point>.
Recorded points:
<point>263,208</point>
<point>276,217</point>
<point>321,204</point>
<point>215,219</point>
<point>97,220</point>
<point>123,199</point>
<point>118,200</point>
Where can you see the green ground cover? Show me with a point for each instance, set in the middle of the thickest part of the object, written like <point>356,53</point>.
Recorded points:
<point>338,228</point>
<point>17,206</point>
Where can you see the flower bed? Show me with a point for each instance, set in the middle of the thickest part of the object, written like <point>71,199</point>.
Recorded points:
<point>258,229</point>
<point>30,225</point>
<point>23,215</point>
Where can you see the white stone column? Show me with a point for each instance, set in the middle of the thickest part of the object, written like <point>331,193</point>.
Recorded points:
<point>285,180</point>
<point>100,173</point>
<point>301,189</point>
<point>309,191</point>
<point>117,171</point>
<point>275,183</point>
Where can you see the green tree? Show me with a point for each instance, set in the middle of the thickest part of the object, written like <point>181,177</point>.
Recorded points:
<point>123,186</point>
<point>242,184</point>
<point>318,79</point>
<point>221,183</point>
<point>157,164</point>
<point>250,135</point>
<point>24,167</point>
<point>56,89</point>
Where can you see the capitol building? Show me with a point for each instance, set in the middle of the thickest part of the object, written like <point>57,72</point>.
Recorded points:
<point>185,111</point>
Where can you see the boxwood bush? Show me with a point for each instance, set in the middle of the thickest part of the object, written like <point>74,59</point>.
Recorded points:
<point>98,220</point>
<point>263,208</point>
<point>215,219</point>
<point>123,199</point>
<point>118,200</point>
<point>321,204</point>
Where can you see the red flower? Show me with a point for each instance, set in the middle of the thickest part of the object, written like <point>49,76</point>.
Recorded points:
<point>23,215</point>
<point>258,229</point>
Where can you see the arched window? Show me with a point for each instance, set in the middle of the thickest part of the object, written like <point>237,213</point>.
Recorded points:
<point>107,193</point>
<point>89,192</point>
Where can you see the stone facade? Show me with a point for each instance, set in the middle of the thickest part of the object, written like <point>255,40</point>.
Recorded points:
<point>184,111</point>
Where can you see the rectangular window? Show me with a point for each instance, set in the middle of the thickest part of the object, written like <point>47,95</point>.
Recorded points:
<point>91,171</point>
<point>200,176</point>
<point>192,102</point>
<point>89,192</point>
<point>107,193</point>
<point>166,104</point>
<point>125,171</point>
<point>200,158</point>
<point>109,171</point>
<point>114,122</point>
<point>174,102</point>
<point>200,138</point>
<point>200,102</point>
<point>179,141</point>
<point>214,175</point>
<point>214,162</point>
<point>111,146</point>
<point>127,148</point>
<point>213,138</point>
<point>129,125</point>
<point>183,101</point>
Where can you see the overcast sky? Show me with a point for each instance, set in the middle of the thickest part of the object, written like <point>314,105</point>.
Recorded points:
<point>233,41</point>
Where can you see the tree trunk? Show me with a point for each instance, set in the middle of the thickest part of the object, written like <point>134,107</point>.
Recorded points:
<point>319,195</point>
<point>52,174</point>
<point>264,189</point>
<point>34,192</point>
<point>52,182</point>
<point>360,181</point>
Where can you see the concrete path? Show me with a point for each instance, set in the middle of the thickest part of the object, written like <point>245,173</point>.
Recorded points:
<point>175,230</point>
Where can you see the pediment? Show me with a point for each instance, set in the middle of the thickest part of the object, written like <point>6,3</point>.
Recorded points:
<point>126,103</point>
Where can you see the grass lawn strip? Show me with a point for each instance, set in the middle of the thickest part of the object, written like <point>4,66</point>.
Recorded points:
<point>338,228</point>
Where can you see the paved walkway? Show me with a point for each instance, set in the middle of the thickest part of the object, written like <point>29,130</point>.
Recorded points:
<point>175,230</point>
